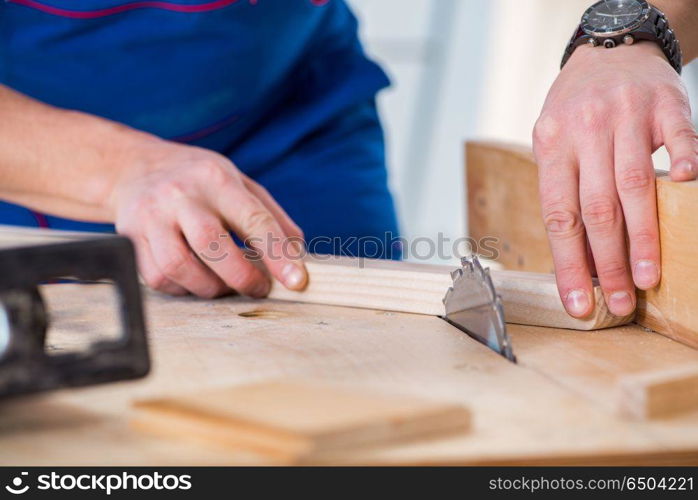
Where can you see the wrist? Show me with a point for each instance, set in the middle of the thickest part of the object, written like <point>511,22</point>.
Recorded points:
<point>119,152</point>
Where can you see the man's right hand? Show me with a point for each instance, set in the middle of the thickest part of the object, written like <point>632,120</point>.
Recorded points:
<point>177,203</point>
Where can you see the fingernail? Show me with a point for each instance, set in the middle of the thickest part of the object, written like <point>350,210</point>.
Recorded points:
<point>577,302</point>
<point>646,274</point>
<point>293,277</point>
<point>687,167</point>
<point>620,303</point>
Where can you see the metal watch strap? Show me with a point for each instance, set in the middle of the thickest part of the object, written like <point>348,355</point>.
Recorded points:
<point>667,39</point>
<point>579,37</point>
<point>656,29</point>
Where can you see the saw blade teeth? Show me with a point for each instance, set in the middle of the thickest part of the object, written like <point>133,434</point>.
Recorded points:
<point>490,285</point>
<point>478,265</point>
<point>468,262</point>
<point>449,292</point>
<point>462,305</point>
<point>499,305</point>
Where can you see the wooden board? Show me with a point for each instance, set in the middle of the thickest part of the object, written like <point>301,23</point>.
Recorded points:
<point>504,202</point>
<point>528,298</point>
<point>502,187</point>
<point>299,421</point>
<point>671,307</point>
<point>520,415</point>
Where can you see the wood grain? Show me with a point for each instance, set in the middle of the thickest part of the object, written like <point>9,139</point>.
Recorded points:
<point>528,298</point>
<point>299,421</point>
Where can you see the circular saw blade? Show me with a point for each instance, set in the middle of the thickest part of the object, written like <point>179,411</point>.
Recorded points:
<point>473,305</point>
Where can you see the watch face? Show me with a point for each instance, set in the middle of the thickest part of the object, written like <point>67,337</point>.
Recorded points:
<point>613,17</point>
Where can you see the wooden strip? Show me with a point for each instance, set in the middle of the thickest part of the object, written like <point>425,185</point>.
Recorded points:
<point>299,421</point>
<point>372,284</point>
<point>533,299</point>
<point>659,394</point>
<point>529,298</point>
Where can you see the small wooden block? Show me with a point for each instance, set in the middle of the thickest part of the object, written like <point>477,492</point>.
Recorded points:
<point>298,421</point>
<point>660,394</point>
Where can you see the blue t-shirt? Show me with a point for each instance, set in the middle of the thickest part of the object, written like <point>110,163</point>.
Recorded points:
<point>282,87</point>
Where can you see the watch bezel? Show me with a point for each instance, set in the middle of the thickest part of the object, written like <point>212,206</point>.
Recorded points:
<point>589,29</point>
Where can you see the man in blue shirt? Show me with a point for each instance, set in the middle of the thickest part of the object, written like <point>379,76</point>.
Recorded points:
<point>175,107</point>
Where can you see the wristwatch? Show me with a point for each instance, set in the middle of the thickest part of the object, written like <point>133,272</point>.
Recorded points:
<point>610,23</point>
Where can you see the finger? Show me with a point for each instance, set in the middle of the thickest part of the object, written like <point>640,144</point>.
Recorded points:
<point>207,237</point>
<point>559,192</point>
<point>150,272</point>
<point>635,180</point>
<point>257,226</point>
<point>603,220</point>
<point>177,262</point>
<point>590,261</point>
<point>681,141</point>
<point>287,224</point>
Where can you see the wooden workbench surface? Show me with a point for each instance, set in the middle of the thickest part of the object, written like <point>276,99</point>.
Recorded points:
<point>556,406</point>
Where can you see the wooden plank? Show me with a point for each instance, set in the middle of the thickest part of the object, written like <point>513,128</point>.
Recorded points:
<point>659,394</point>
<point>503,208</point>
<point>372,284</point>
<point>519,414</point>
<point>528,298</point>
<point>299,421</point>
<point>671,308</point>
<point>629,371</point>
<point>504,203</point>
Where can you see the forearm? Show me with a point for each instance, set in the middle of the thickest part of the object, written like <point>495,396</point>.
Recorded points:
<point>683,19</point>
<point>61,162</point>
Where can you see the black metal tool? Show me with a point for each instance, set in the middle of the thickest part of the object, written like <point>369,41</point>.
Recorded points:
<point>25,366</point>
